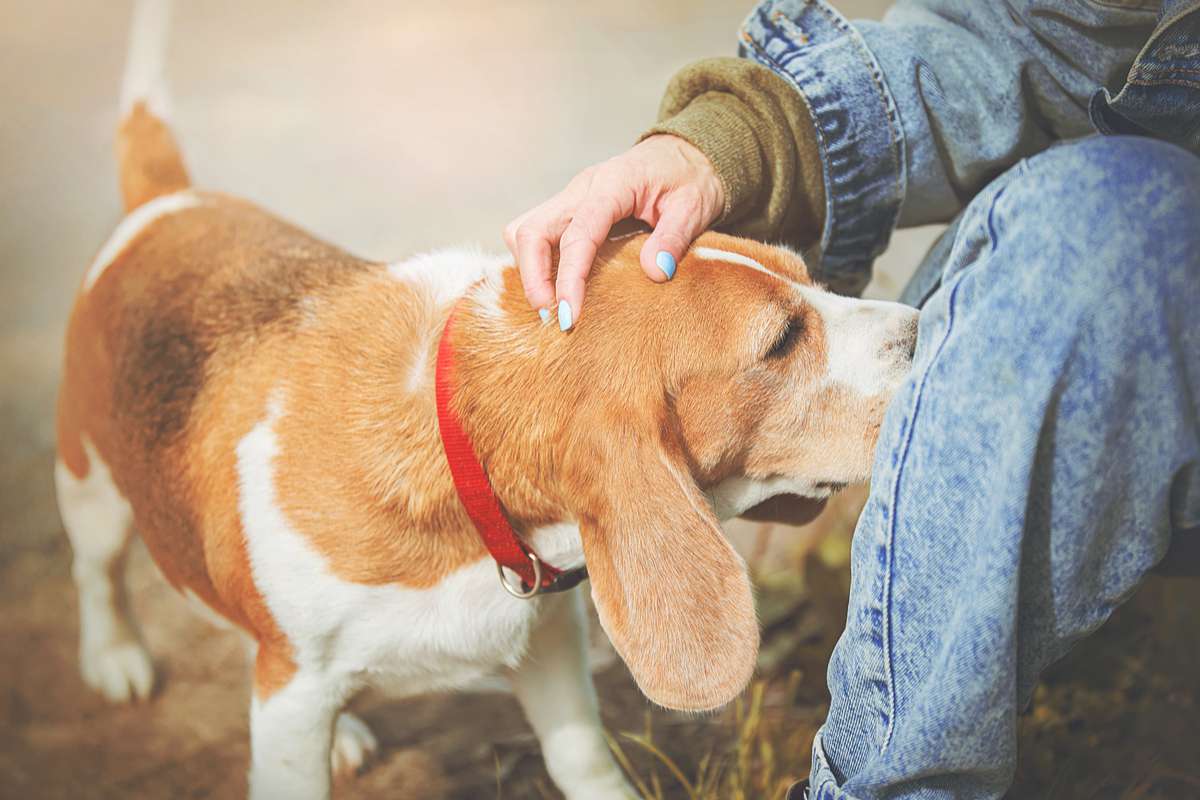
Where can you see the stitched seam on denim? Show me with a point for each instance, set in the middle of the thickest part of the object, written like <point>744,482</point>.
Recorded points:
<point>1190,84</point>
<point>1019,169</point>
<point>1162,26</point>
<point>1144,5</point>
<point>883,94</point>
<point>826,172</point>
<point>833,201</point>
<point>819,755</point>
<point>894,492</point>
<point>1168,69</point>
<point>894,499</point>
<point>885,99</point>
<point>826,169</point>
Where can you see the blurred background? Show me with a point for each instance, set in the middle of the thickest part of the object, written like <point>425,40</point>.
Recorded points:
<point>388,128</point>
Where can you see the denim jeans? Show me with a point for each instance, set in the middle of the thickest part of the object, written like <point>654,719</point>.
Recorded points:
<point>1033,467</point>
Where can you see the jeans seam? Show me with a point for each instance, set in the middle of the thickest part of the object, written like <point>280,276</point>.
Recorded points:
<point>894,491</point>
<point>826,778</point>
<point>894,496</point>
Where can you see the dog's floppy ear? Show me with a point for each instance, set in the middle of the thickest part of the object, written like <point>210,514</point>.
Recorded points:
<point>672,594</point>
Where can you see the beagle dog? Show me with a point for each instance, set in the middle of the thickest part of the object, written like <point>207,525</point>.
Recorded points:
<point>260,406</point>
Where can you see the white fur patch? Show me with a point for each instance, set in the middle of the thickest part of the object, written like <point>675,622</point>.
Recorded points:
<point>416,374</point>
<point>559,545</point>
<point>408,640</point>
<point>353,744</point>
<point>553,686</point>
<point>134,224</point>
<point>447,274</point>
<point>98,519</point>
<point>713,254</point>
<point>858,335</point>
<point>444,277</point>
<point>292,739</point>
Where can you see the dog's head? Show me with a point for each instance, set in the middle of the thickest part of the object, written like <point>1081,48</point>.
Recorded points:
<point>676,404</point>
<point>738,373</point>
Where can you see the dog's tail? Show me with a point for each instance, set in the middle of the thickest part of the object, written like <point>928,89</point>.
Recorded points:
<point>149,163</point>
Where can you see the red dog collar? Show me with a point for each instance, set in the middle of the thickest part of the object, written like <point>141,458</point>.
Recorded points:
<point>475,491</point>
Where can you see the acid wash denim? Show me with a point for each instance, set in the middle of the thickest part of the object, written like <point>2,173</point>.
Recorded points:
<point>1044,451</point>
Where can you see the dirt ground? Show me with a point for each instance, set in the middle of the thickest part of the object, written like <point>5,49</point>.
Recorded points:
<point>391,128</point>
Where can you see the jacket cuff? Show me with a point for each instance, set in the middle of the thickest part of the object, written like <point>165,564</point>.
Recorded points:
<point>715,124</point>
<point>856,121</point>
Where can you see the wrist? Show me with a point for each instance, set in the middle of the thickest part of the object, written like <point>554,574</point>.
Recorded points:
<point>712,130</point>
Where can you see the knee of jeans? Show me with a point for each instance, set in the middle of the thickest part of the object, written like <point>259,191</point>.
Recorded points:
<point>1127,209</point>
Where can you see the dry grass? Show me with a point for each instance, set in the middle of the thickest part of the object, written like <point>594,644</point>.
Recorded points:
<point>747,767</point>
<point>1116,719</point>
<point>759,746</point>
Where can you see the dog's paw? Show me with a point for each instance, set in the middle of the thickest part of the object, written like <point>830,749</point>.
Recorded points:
<point>353,744</point>
<point>121,671</point>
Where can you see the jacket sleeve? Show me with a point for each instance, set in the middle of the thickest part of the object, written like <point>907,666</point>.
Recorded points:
<point>756,130</point>
<point>907,118</point>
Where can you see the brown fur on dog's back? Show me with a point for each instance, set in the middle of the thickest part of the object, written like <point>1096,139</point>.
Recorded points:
<point>162,339</point>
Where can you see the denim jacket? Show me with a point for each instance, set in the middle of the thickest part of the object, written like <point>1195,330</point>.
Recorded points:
<point>917,112</point>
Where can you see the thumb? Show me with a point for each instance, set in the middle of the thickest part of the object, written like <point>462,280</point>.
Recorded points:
<point>678,227</point>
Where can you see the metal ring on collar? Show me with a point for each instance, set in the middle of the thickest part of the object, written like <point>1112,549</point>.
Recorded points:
<point>522,594</point>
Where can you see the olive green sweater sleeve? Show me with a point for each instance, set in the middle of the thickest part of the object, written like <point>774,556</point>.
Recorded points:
<point>756,130</point>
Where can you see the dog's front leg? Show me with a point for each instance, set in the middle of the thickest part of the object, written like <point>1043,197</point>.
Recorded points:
<point>555,688</point>
<point>291,733</point>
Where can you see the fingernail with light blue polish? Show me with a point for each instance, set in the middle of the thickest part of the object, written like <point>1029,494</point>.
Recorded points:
<point>544,313</point>
<point>564,315</point>
<point>666,262</point>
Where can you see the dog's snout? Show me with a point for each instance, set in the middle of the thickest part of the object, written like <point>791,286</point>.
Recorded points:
<point>871,342</point>
<point>900,348</point>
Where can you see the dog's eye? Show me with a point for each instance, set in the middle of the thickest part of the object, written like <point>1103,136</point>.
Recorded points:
<point>785,342</point>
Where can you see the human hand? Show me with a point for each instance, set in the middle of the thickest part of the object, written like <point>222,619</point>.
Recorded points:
<point>663,181</point>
